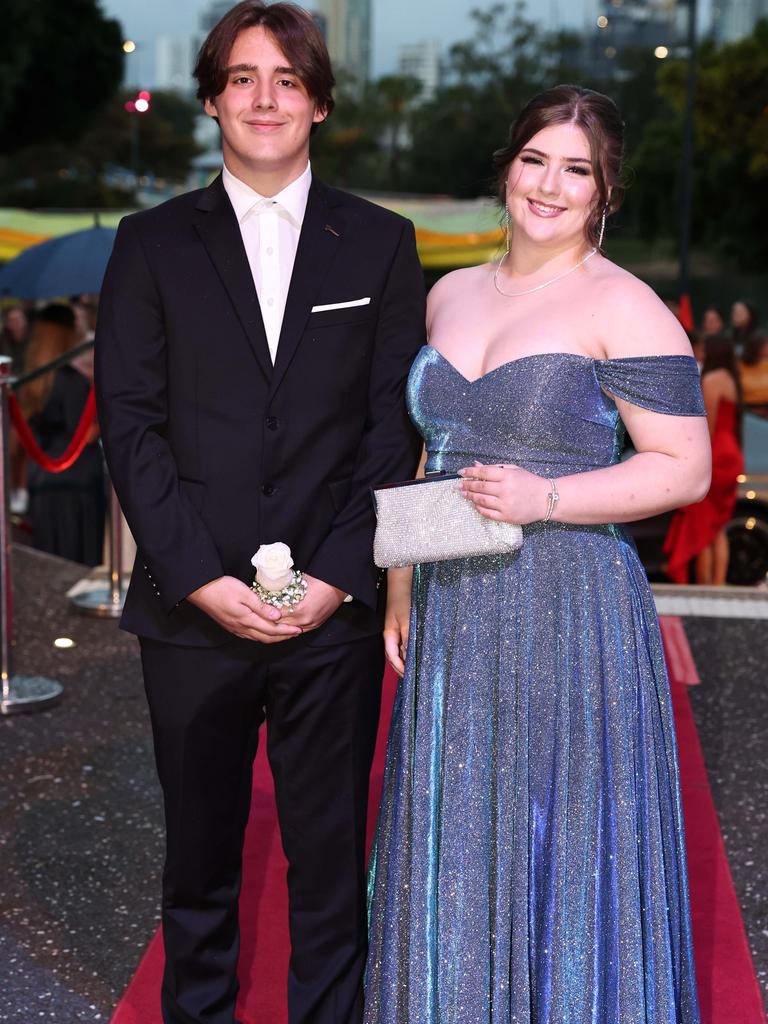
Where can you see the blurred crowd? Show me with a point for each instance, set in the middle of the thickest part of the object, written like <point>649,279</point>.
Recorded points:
<point>749,349</point>
<point>63,512</point>
<point>733,359</point>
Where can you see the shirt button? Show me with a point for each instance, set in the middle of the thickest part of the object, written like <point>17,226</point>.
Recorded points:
<point>268,490</point>
<point>270,302</point>
<point>270,250</point>
<point>272,422</point>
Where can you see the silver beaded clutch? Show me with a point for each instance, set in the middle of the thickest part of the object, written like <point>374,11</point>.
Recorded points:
<point>430,520</point>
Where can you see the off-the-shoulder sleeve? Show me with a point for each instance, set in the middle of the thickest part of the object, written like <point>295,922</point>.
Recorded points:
<point>664,384</point>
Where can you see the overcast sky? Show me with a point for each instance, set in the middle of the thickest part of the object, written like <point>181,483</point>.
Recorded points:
<point>394,22</point>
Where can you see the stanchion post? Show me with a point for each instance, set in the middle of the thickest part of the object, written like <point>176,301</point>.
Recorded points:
<point>115,551</point>
<point>105,601</point>
<point>6,627</point>
<point>19,693</point>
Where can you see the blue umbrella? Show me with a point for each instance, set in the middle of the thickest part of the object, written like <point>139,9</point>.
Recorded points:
<point>68,265</point>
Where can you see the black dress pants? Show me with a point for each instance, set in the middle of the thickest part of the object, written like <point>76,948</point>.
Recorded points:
<point>322,710</point>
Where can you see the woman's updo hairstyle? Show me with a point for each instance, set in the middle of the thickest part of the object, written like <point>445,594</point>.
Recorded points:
<point>599,119</point>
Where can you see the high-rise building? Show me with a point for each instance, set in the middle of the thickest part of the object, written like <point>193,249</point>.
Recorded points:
<point>734,19</point>
<point>214,12</point>
<point>348,34</point>
<point>639,23</point>
<point>421,60</point>
<point>174,60</point>
<point>621,25</point>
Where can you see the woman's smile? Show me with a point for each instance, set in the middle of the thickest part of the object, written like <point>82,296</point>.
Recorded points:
<point>544,209</point>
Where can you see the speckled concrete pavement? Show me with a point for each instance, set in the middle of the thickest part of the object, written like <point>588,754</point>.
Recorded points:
<point>81,828</point>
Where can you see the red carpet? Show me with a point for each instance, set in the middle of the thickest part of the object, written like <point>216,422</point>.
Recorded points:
<point>263,907</point>
<point>728,987</point>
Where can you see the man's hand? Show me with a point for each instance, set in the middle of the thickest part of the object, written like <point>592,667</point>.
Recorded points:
<point>319,603</point>
<point>235,607</point>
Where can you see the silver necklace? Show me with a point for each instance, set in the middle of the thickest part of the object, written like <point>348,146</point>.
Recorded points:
<point>538,287</point>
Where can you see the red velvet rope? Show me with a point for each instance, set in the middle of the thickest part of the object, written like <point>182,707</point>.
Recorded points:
<point>73,450</point>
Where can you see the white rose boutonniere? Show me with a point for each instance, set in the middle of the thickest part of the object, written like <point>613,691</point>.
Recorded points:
<point>277,582</point>
<point>273,565</point>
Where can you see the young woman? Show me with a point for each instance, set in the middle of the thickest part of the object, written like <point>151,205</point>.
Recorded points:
<point>712,321</point>
<point>744,326</point>
<point>698,531</point>
<point>530,864</point>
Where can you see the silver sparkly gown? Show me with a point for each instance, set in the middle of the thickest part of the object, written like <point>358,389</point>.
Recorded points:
<point>529,866</point>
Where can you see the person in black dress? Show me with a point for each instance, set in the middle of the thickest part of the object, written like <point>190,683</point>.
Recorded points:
<point>67,509</point>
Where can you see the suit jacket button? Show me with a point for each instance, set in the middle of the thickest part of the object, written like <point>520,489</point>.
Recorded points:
<point>272,422</point>
<point>268,490</point>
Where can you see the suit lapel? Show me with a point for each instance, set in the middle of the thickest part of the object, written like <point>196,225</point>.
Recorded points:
<point>217,226</point>
<point>318,241</point>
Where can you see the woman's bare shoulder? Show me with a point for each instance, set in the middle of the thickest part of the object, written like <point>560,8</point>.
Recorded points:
<point>455,286</point>
<point>464,277</point>
<point>631,318</point>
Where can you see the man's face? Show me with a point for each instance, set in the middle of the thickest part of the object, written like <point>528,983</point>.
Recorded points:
<point>264,111</point>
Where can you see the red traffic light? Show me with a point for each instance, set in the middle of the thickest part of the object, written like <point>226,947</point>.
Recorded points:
<point>140,105</point>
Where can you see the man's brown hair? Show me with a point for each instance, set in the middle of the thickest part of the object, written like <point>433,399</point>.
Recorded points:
<point>294,31</point>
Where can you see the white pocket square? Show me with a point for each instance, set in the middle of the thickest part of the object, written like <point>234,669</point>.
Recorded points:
<point>341,305</point>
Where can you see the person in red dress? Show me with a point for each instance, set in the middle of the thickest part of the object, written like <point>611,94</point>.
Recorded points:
<point>698,531</point>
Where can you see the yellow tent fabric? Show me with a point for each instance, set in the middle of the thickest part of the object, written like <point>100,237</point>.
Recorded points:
<point>469,234</point>
<point>21,228</point>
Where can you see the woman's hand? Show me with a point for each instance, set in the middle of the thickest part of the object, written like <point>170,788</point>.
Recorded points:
<point>506,493</point>
<point>397,618</point>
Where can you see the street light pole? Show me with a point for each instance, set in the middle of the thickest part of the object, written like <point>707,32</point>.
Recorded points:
<point>686,169</point>
<point>134,123</point>
<point>135,109</point>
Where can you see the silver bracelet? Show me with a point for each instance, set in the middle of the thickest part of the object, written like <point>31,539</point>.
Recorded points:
<point>552,499</point>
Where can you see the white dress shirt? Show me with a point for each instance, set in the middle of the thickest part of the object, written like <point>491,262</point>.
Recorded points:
<point>270,229</point>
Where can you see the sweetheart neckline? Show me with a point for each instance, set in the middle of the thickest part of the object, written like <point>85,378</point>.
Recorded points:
<point>542,355</point>
<point>503,366</point>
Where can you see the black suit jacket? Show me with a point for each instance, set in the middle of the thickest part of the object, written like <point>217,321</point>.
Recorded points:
<point>212,450</point>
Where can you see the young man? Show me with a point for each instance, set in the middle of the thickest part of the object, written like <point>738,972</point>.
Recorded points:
<point>253,344</point>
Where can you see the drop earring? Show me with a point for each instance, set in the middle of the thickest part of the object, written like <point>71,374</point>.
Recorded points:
<point>602,228</point>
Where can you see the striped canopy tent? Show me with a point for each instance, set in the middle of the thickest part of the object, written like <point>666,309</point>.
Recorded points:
<point>449,232</point>
<point>21,228</point>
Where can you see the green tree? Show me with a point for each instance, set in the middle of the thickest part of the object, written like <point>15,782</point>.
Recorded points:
<point>164,141</point>
<point>55,174</point>
<point>731,148</point>
<point>60,63</point>
<point>489,79</point>
<point>345,148</point>
<point>395,96</point>
<point>652,201</point>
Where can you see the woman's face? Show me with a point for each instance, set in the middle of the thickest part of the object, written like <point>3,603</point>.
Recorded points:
<point>551,186</point>
<point>711,322</point>
<point>740,316</point>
